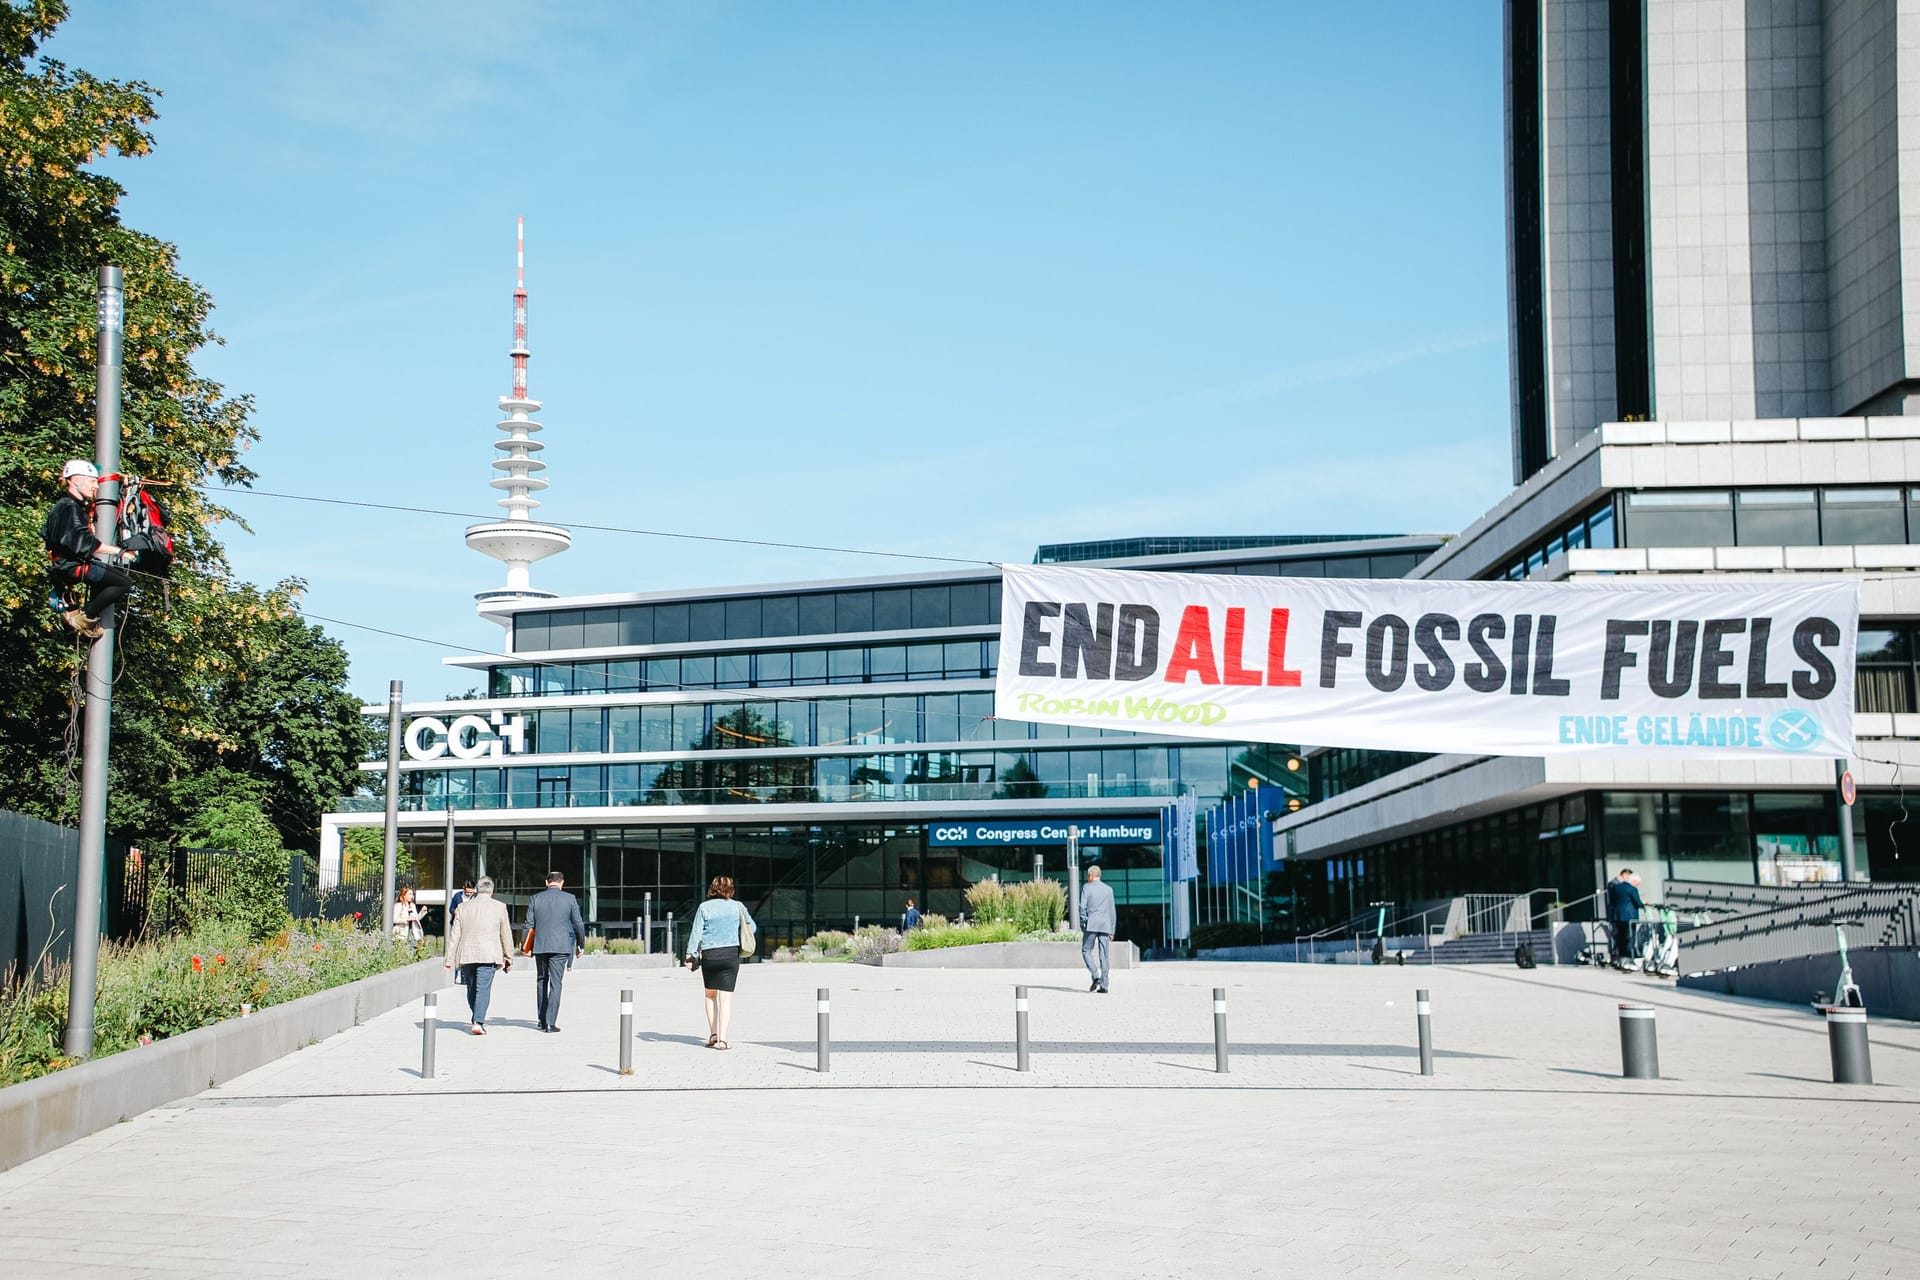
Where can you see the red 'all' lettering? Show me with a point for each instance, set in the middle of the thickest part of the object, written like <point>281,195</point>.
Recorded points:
<point>1193,648</point>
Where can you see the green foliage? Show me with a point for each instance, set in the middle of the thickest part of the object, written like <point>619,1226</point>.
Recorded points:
<point>987,901</point>
<point>1031,906</point>
<point>363,851</point>
<point>153,988</point>
<point>219,678</point>
<point>961,935</point>
<point>252,891</point>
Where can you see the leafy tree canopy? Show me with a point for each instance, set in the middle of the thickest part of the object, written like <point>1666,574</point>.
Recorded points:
<point>221,682</point>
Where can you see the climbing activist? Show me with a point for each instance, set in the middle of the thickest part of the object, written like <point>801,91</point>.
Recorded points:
<point>75,556</point>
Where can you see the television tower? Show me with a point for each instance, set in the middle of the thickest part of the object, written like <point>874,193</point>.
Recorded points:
<point>518,540</point>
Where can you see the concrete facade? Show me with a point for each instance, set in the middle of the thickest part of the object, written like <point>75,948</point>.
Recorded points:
<point>1736,170</point>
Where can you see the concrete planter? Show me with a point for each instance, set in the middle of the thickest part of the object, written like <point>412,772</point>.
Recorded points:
<point>1009,955</point>
<point>41,1115</point>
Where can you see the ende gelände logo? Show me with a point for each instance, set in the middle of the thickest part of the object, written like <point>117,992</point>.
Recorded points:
<point>1794,730</point>
<point>469,737</point>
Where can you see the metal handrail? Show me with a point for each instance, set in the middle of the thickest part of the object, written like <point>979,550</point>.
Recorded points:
<point>1352,922</point>
<point>1552,907</point>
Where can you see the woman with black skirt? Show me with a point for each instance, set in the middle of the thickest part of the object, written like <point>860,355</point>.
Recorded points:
<point>713,943</point>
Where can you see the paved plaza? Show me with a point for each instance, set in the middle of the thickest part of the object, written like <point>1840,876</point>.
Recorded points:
<point>1122,1153</point>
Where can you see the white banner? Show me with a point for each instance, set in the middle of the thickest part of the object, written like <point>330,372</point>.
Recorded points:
<point>1728,670</point>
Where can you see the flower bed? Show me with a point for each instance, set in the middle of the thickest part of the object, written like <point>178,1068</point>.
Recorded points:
<point>152,990</point>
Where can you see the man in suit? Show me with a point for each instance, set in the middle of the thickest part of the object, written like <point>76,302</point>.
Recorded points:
<point>480,943</point>
<point>1096,928</point>
<point>1623,910</point>
<point>559,934</point>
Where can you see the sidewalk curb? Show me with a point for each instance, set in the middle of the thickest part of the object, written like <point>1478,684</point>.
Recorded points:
<point>42,1115</point>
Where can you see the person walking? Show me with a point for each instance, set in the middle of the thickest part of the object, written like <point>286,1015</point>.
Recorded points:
<point>406,917</point>
<point>910,918</point>
<point>557,935</point>
<point>76,556</point>
<point>481,944</point>
<point>460,895</point>
<point>1623,911</point>
<point>1096,928</point>
<point>720,932</point>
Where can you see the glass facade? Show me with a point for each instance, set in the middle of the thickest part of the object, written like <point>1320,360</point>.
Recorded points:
<point>1571,845</point>
<point>1832,516</point>
<point>889,608</point>
<point>1126,548</point>
<point>796,878</point>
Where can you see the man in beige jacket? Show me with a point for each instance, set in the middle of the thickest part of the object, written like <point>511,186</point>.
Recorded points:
<point>480,943</point>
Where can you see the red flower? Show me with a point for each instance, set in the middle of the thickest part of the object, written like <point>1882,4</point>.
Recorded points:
<point>219,959</point>
<point>316,946</point>
<point>196,964</point>
<point>356,915</point>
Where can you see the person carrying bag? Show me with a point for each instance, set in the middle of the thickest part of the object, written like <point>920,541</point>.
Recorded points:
<point>720,935</point>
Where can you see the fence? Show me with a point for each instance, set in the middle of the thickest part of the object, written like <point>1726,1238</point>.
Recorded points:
<point>141,892</point>
<point>1878,916</point>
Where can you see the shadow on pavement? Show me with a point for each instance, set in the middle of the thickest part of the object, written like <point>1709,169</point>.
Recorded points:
<point>1197,1048</point>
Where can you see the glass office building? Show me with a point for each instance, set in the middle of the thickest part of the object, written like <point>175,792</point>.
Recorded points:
<point>831,746</point>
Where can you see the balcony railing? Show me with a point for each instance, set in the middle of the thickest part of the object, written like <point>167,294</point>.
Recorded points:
<point>563,797</point>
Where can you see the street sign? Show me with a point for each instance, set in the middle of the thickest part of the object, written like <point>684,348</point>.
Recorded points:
<point>1846,788</point>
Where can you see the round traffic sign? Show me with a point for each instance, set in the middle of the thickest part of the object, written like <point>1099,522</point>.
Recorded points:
<point>1846,788</point>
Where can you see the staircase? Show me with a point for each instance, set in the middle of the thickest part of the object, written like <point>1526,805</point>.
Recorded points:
<point>1488,948</point>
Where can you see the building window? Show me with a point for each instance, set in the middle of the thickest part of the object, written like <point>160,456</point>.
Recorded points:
<point>1883,670</point>
<point>1862,516</point>
<point>1680,518</point>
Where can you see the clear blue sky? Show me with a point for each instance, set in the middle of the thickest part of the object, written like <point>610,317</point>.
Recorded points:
<point>952,279</point>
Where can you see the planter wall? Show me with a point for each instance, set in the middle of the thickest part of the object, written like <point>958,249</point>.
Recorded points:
<point>1010,955</point>
<point>41,1115</point>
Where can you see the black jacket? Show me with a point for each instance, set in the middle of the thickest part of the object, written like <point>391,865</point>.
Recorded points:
<point>68,534</point>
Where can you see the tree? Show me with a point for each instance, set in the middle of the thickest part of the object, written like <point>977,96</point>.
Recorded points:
<point>182,650</point>
<point>290,724</point>
<point>252,883</point>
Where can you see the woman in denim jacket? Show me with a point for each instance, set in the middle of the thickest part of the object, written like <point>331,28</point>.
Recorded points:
<point>713,943</point>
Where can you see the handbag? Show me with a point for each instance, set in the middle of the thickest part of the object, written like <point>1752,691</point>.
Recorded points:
<point>746,934</point>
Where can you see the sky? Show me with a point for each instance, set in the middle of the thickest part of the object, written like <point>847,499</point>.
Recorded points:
<point>952,280</point>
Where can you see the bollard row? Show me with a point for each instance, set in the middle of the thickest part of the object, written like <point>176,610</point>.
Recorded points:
<point>1639,1043</point>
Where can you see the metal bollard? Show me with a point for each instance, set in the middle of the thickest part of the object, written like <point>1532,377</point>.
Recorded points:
<point>626,1031</point>
<point>1220,1029</point>
<point>1847,1043</point>
<point>822,1045</point>
<point>429,1018</point>
<point>1021,1057</point>
<point>1423,1010</point>
<point>1639,1046</point>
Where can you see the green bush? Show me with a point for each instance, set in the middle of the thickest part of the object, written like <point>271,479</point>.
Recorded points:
<point>960,935</point>
<point>185,981</point>
<point>987,901</point>
<point>830,941</point>
<point>1036,906</point>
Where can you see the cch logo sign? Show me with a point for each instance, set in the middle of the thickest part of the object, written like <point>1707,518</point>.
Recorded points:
<point>470,737</point>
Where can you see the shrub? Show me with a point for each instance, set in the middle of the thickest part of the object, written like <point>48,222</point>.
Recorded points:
<point>987,900</point>
<point>960,935</point>
<point>873,942</point>
<point>830,941</point>
<point>1035,906</point>
<point>933,921</point>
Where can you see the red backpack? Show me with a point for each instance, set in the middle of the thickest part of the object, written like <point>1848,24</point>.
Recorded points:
<point>143,531</point>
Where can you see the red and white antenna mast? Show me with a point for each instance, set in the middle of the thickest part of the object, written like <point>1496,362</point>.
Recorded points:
<point>520,309</point>
<point>519,540</point>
